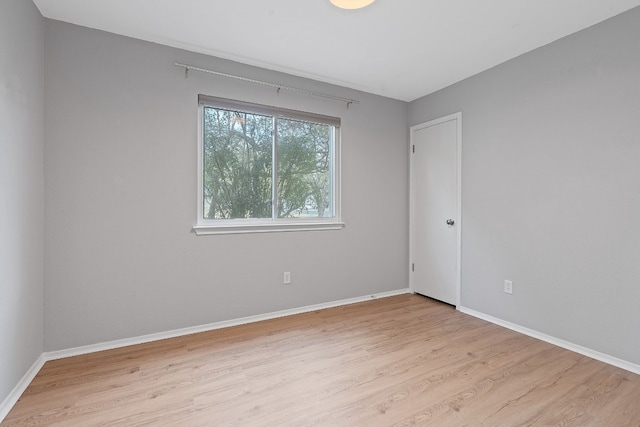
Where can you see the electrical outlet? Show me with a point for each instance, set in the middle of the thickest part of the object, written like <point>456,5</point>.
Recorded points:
<point>286,278</point>
<point>508,286</point>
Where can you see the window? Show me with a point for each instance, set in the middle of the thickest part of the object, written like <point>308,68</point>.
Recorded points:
<point>264,168</point>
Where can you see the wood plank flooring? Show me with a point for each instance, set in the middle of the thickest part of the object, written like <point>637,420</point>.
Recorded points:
<point>398,361</point>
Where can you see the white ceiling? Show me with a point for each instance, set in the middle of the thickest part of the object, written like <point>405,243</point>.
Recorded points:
<point>402,49</point>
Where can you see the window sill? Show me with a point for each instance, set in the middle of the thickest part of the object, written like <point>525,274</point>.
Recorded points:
<point>203,230</point>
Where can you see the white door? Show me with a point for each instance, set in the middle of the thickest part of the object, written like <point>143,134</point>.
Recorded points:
<point>435,208</point>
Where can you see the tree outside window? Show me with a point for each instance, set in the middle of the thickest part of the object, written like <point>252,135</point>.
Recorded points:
<point>239,151</point>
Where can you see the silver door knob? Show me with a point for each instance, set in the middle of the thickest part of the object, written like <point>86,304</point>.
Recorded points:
<point>450,222</point>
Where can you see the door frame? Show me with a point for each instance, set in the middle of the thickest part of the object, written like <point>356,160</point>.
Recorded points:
<point>458,218</point>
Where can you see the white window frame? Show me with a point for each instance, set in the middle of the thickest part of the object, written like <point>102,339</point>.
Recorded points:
<point>205,226</point>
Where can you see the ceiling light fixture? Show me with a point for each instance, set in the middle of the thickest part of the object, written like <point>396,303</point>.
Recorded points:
<point>351,4</point>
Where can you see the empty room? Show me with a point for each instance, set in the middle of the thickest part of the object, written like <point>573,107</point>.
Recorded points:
<point>319,213</point>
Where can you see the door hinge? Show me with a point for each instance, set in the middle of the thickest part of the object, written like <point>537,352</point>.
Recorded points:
<point>414,148</point>
<point>413,267</point>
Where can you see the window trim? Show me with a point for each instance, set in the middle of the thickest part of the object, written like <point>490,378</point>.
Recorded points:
<point>206,226</point>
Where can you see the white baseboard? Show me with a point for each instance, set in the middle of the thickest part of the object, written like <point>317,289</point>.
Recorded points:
<point>17,391</point>
<point>628,366</point>
<point>53,355</point>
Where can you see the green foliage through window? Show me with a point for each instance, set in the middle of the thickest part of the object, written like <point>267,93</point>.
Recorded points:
<point>253,163</point>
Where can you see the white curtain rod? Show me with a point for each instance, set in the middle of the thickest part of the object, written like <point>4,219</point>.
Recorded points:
<point>273,85</point>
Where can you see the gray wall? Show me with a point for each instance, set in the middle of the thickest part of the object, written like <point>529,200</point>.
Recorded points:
<point>21,189</point>
<point>551,187</point>
<point>121,260</point>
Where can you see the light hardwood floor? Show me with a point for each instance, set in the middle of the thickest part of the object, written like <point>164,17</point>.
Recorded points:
<point>397,361</point>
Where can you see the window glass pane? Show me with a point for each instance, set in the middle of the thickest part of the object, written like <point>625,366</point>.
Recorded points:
<point>304,169</point>
<point>237,162</point>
